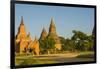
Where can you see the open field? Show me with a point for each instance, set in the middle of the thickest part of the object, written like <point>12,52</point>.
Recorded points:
<point>54,58</point>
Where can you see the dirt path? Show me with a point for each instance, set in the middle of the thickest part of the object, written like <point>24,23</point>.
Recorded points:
<point>68,55</point>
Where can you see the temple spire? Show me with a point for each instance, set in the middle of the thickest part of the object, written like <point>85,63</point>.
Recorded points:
<point>21,29</point>
<point>43,34</point>
<point>44,31</point>
<point>22,21</point>
<point>52,28</point>
<point>52,22</point>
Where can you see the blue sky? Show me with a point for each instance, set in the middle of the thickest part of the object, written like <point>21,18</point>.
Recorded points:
<point>66,19</point>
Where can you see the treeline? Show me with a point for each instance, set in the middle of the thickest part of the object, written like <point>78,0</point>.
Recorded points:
<point>78,42</point>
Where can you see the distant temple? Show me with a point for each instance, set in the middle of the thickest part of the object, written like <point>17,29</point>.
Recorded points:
<point>53,34</point>
<point>24,43</point>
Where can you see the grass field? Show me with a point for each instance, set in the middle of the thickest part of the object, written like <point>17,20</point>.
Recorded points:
<point>54,58</point>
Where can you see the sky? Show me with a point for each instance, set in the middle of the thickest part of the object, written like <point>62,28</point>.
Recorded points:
<point>66,19</point>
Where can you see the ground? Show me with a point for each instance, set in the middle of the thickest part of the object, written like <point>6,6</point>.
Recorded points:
<point>54,58</point>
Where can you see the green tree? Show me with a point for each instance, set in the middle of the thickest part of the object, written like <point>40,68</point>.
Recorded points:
<point>90,42</point>
<point>82,41</point>
<point>42,46</point>
<point>47,45</point>
<point>50,45</point>
<point>78,35</point>
<point>70,45</point>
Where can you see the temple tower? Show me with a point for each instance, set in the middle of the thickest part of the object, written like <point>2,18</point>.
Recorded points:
<point>52,29</point>
<point>21,30</point>
<point>52,34</point>
<point>43,34</point>
<point>23,41</point>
